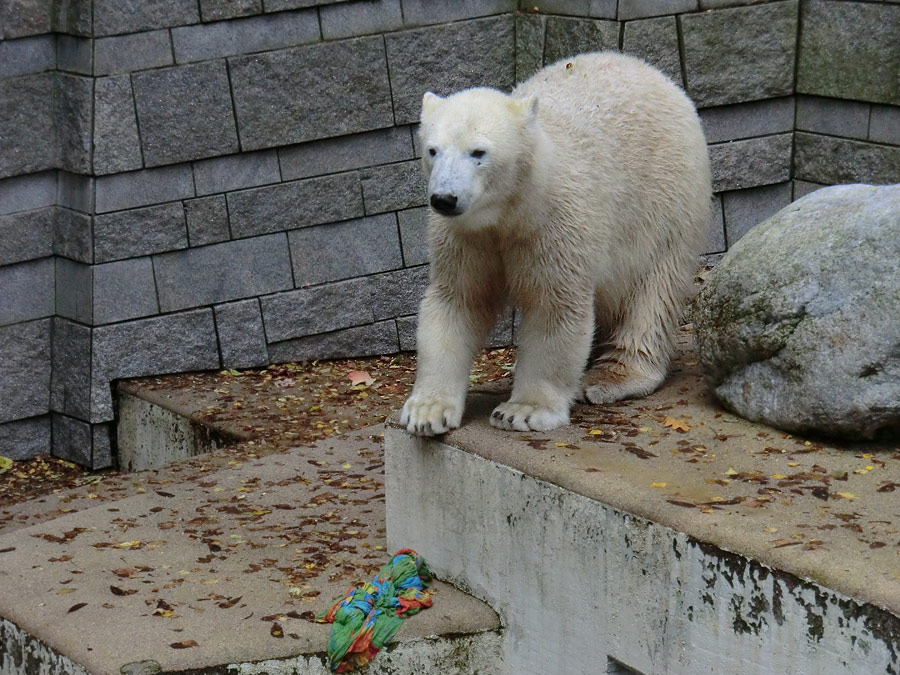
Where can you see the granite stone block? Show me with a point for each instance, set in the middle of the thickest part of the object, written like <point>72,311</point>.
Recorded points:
<point>27,291</point>
<point>745,120</point>
<point>28,142</point>
<point>124,290</point>
<point>530,32</point>
<point>393,186</point>
<point>317,310</point>
<point>73,17</point>
<point>829,160</point>
<point>306,93</point>
<point>102,446</point>
<point>282,5</point>
<point>242,339</point>
<point>750,163</point>
<point>342,250</point>
<point>216,10</point>
<point>207,220</point>
<point>850,50</point>
<point>185,113</point>
<point>414,235</point>
<point>203,42</point>
<point>75,191</point>
<point>128,234</point>
<point>803,188</point>
<point>73,236</point>
<point>604,9</point>
<point>172,343</point>
<point>296,204</point>
<point>20,18</point>
<point>23,193</point>
<point>117,145</point>
<point>26,235</point>
<point>740,54</point>
<point>369,340</point>
<point>223,272</point>
<point>136,51</point>
<point>131,16</point>
<point>640,9</point>
<point>429,59</point>
<point>73,117</point>
<point>745,209</point>
<point>715,242</point>
<point>422,12</point>
<point>655,41</point>
<point>141,188</point>
<point>25,363</point>
<point>398,293</point>
<point>70,388</point>
<point>343,20</point>
<point>28,55</point>
<point>567,37</point>
<point>72,440</point>
<point>24,439</point>
<point>75,54</point>
<point>332,155</point>
<point>833,117</point>
<point>74,290</point>
<point>884,124</point>
<point>406,332</point>
<point>234,172</point>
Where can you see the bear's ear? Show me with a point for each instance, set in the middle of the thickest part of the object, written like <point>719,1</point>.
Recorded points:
<point>429,102</point>
<point>527,107</point>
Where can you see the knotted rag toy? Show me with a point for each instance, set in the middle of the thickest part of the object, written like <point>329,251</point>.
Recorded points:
<point>367,617</point>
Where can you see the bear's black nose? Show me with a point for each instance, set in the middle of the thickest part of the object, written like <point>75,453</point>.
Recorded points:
<point>444,204</point>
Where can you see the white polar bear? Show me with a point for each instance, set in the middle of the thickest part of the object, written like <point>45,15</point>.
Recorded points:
<point>583,198</point>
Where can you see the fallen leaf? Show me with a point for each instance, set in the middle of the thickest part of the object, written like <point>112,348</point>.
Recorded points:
<point>731,472</point>
<point>595,432</point>
<point>76,607</point>
<point>125,572</point>
<point>658,485</point>
<point>5,464</point>
<point>64,591</point>
<point>119,591</point>
<point>676,424</point>
<point>184,644</point>
<point>276,630</point>
<point>362,377</point>
<point>846,495</point>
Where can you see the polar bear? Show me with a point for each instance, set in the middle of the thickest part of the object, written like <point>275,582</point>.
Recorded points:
<point>583,199</point>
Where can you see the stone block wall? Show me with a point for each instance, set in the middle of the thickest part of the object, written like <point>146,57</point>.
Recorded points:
<point>194,184</point>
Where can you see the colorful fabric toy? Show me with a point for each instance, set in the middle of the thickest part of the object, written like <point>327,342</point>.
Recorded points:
<point>367,617</point>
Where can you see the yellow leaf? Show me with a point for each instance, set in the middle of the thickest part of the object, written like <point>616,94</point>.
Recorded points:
<point>778,476</point>
<point>676,424</point>
<point>560,444</point>
<point>64,591</point>
<point>5,464</point>
<point>657,485</point>
<point>345,466</point>
<point>771,529</point>
<point>130,544</point>
<point>793,463</point>
<point>644,429</point>
<point>595,432</point>
<point>846,495</point>
<point>861,471</point>
<point>868,455</point>
<point>731,472</point>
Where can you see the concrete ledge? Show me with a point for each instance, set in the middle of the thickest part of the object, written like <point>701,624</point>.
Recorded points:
<point>668,552</point>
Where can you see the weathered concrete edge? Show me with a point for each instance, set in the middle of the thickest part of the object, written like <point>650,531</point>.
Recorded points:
<point>437,654</point>
<point>699,527</point>
<point>757,598</point>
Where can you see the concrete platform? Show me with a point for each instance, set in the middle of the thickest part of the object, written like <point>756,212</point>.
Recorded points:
<point>662,536</point>
<point>191,572</point>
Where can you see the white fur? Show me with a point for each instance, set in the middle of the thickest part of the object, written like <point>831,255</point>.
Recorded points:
<point>587,211</point>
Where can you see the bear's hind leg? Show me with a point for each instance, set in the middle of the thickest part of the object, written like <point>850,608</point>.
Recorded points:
<point>636,361</point>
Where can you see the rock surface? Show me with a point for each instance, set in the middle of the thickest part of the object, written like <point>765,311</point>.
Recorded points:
<point>799,325</point>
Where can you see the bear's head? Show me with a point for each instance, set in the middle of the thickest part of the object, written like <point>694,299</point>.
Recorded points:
<point>477,145</point>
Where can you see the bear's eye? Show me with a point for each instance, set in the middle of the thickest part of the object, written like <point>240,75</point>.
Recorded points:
<point>432,152</point>
<point>478,154</point>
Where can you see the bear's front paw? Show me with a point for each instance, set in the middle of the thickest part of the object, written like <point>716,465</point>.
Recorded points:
<point>430,415</point>
<point>524,417</point>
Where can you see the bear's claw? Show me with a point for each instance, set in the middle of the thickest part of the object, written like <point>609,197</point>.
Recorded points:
<point>430,416</point>
<point>524,417</point>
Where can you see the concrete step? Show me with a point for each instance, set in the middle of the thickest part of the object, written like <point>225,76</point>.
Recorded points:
<point>678,540</point>
<point>214,558</point>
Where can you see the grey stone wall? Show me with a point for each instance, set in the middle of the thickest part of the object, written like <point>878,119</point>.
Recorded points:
<point>194,184</point>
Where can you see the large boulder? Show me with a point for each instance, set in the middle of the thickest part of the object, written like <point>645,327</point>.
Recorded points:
<point>799,325</point>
